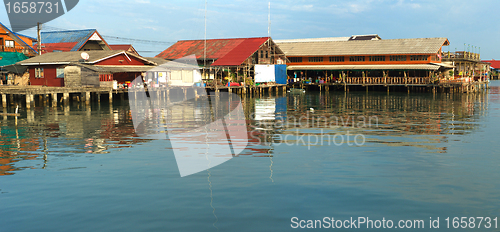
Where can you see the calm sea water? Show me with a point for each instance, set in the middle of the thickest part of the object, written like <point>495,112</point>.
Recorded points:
<point>372,155</point>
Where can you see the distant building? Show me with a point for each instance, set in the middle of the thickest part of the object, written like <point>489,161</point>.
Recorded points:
<point>225,59</point>
<point>125,47</point>
<point>73,40</point>
<point>15,42</point>
<point>14,47</point>
<point>366,59</point>
<point>107,67</point>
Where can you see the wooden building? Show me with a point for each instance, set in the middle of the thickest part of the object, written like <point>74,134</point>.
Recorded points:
<point>226,60</point>
<point>373,61</point>
<point>15,42</point>
<point>467,66</point>
<point>50,69</point>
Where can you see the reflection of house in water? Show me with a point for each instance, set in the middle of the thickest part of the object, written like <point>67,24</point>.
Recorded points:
<point>65,133</point>
<point>16,145</point>
<point>385,116</point>
<point>265,113</point>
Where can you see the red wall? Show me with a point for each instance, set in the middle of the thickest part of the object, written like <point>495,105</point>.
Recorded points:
<point>125,61</point>
<point>49,76</point>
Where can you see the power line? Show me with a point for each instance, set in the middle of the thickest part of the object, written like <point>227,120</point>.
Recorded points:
<point>136,40</point>
<point>109,37</point>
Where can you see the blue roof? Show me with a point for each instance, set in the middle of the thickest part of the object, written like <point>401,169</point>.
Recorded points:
<point>78,36</point>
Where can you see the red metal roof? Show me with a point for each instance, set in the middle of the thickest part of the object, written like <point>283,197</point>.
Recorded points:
<point>494,63</point>
<point>226,52</point>
<point>63,47</point>
<point>120,46</point>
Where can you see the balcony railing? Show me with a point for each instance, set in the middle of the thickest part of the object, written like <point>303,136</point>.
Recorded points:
<point>461,55</point>
<point>20,49</point>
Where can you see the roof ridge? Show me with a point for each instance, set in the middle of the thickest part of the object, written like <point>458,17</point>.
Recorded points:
<point>226,38</point>
<point>69,31</point>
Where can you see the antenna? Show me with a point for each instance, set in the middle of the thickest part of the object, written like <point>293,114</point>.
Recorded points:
<point>205,43</point>
<point>269,21</point>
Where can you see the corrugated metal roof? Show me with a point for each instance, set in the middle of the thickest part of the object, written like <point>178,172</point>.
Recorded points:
<point>366,67</point>
<point>77,38</point>
<point>365,47</point>
<point>494,63</point>
<point>121,69</point>
<point>63,47</point>
<point>231,51</point>
<point>70,57</point>
<point>312,40</point>
<point>240,53</point>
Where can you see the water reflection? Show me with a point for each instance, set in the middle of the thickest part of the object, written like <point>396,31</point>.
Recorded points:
<point>63,131</point>
<point>418,120</point>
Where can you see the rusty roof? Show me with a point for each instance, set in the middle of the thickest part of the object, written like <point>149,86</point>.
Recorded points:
<point>226,52</point>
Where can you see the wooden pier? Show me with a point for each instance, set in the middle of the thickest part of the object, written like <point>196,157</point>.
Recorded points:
<point>52,96</point>
<point>443,87</point>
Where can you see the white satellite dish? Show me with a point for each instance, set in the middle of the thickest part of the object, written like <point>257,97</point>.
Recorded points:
<point>85,56</point>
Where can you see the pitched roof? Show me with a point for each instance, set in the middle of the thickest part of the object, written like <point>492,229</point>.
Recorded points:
<point>71,57</point>
<point>226,52</point>
<point>120,46</point>
<point>126,47</point>
<point>494,63</point>
<point>365,47</point>
<point>71,40</point>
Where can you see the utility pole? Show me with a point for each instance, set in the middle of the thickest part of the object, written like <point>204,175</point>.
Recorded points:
<point>39,29</point>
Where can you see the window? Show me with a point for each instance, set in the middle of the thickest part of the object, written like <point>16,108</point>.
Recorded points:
<point>296,59</point>
<point>261,54</point>
<point>418,57</point>
<point>436,58</point>
<point>397,58</point>
<point>356,58</point>
<point>60,73</point>
<point>38,72</point>
<point>377,58</point>
<point>336,59</point>
<point>9,43</point>
<point>267,54</point>
<point>315,59</point>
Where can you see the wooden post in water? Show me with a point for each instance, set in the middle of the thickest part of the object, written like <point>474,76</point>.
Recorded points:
<point>65,98</point>
<point>87,98</point>
<point>28,100</point>
<point>54,99</point>
<point>4,100</point>
<point>111,96</point>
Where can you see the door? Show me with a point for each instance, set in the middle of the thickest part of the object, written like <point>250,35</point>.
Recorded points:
<point>2,45</point>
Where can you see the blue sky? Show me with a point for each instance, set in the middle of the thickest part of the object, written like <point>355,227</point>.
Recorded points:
<point>461,21</point>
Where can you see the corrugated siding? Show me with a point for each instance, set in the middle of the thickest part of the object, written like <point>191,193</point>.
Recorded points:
<point>364,47</point>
